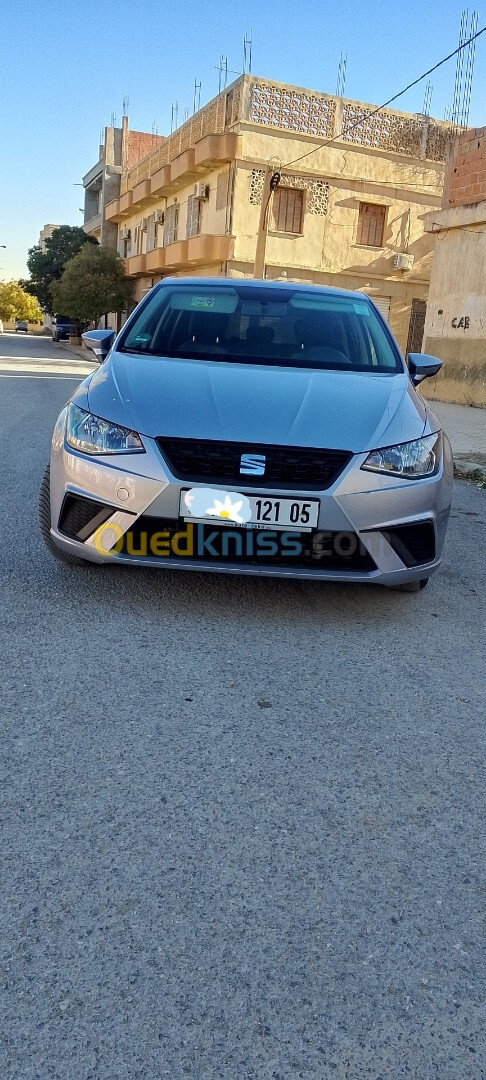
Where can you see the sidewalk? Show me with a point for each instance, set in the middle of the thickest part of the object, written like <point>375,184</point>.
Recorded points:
<point>466,430</point>
<point>77,350</point>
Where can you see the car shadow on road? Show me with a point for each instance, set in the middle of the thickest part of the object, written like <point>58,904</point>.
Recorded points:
<point>220,597</point>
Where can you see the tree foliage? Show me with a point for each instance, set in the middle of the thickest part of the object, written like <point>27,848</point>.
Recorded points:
<point>93,284</point>
<point>16,303</point>
<point>46,267</point>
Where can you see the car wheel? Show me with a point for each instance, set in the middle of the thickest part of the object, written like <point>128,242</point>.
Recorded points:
<point>45,523</point>
<point>412,586</point>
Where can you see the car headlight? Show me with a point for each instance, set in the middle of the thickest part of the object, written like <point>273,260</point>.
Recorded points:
<point>93,435</point>
<point>412,460</point>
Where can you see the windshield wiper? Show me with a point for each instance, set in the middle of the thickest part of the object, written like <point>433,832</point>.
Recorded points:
<point>141,352</point>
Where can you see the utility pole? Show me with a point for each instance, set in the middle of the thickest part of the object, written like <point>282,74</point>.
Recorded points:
<point>270,183</point>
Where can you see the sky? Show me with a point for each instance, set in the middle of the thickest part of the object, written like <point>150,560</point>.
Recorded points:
<point>67,65</point>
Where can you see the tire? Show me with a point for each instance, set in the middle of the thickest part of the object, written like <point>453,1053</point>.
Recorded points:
<point>45,524</point>
<point>412,586</point>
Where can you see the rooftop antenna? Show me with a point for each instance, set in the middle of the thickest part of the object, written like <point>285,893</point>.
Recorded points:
<point>126,103</point>
<point>186,113</point>
<point>247,49</point>
<point>113,119</point>
<point>196,104</point>
<point>155,128</point>
<point>341,75</point>
<point>223,72</point>
<point>174,115</point>
<point>427,99</point>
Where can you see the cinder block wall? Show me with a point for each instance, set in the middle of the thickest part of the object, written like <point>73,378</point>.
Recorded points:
<point>466,175</point>
<point>140,143</point>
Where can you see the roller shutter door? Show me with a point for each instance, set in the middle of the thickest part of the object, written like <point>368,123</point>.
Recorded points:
<point>383,305</point>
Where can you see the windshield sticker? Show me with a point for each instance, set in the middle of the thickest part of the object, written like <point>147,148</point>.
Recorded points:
<point>202,301</point>
<point>141,339</point>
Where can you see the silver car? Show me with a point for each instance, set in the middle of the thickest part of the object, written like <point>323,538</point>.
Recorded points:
<point>252,427</point>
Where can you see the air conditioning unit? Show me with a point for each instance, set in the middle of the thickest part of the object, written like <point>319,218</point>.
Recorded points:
<point>143,224</point>
<point>201,191</point>
<point>159,217</point>
<point>402,261</point>
<point>124,234</point>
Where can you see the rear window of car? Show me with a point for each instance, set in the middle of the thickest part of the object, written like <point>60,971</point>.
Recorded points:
<point>262,325</point>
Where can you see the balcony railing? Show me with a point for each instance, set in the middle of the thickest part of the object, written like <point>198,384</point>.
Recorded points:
<point>93,224</point>
<point>201,250</point>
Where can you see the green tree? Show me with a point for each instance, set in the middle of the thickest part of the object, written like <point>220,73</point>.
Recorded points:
<point>46,267</point>
<point>93,284</point>
<point>16,303</point>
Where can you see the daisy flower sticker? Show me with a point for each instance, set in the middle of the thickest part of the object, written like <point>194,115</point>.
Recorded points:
<point>228,510</point>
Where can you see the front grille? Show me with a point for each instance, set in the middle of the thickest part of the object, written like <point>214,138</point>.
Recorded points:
<point>414,543</point>
<point>80,517</point>
<point>207,461</point>
<point>320,550</point>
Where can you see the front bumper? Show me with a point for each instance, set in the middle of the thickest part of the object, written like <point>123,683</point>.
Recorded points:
<point>132,488</point>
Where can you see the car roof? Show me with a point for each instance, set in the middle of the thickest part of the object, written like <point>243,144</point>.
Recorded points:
<point>285,286</point>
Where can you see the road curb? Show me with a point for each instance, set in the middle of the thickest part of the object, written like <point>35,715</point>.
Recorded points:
<point>85,354</point>
<point>472,471</point>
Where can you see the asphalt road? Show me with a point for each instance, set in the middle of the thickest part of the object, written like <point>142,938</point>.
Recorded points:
<point>243,821</point>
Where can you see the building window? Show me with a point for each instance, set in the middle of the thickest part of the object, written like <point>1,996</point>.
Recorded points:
<point>288,210</point>
<point>371,225</point>
<point>142,237</point>
<point>194,216</point>
<point>171,224</point>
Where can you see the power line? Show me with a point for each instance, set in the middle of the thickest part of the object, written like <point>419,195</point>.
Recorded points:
<point>346,130</point>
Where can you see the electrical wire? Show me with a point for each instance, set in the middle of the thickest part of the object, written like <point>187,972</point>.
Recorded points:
<point>346,130</point>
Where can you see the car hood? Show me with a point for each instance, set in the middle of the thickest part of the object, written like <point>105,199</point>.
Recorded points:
<point>202,399</point>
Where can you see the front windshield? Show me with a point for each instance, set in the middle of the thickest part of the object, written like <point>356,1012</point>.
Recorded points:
<point>262,325</point>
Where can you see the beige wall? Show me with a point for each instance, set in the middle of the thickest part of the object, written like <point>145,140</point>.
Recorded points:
<point>455,328</point>
<point>327,253</point>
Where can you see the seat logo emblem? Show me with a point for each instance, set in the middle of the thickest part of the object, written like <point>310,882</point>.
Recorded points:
<point>252,465</point>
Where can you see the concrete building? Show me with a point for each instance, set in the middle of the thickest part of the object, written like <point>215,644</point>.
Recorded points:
<point>348,214</point>
<point>45,234</point>
<point>118,153</point>
<point>455,328</point>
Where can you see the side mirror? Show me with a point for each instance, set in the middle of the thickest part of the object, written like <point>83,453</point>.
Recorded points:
<point>421,366</point>
<point>100,342</point>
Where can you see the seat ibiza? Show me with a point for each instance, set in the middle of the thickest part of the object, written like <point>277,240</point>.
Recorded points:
<point>252,427</point>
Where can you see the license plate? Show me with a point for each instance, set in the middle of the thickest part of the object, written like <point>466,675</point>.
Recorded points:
<point>237,510</point>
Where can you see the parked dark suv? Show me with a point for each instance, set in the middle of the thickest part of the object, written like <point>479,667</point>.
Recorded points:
<point>21,325</point>
<point>62,327</point>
